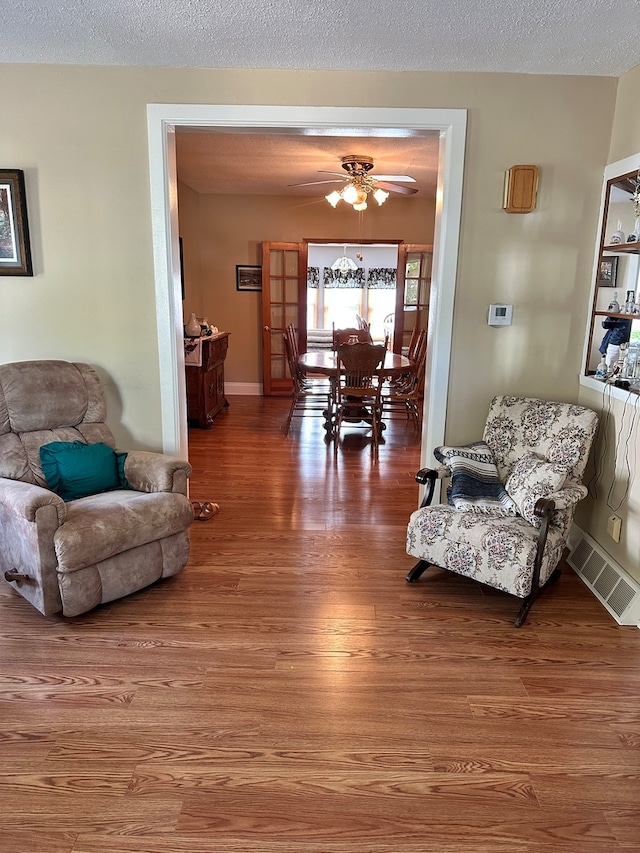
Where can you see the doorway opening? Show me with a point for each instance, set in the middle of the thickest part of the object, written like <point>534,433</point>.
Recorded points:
<point>163,119</point>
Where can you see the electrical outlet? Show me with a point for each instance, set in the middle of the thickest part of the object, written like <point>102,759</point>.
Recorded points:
<point>614,527</point>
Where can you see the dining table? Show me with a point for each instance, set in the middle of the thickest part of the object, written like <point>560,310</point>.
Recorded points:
<point>325,363</point>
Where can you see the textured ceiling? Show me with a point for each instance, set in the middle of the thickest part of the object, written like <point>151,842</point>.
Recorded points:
<point>538,37</point>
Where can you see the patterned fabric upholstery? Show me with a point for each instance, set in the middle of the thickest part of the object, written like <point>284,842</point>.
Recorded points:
<point>498,550</point>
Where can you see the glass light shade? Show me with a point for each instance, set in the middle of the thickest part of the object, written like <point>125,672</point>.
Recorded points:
<point>344,264</point>
<point>333,198</point>
<point>350,194</point>
<point>361,206</point>
<point>380,196</point>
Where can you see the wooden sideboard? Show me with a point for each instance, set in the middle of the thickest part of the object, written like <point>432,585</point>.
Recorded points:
<point>205,383</point>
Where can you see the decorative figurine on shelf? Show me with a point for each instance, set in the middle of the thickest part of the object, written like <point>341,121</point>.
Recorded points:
<point>629,302</point>
<point>635,234</point>
<point>614,305</point>
<point>602,371</point>
<point>618,235</point>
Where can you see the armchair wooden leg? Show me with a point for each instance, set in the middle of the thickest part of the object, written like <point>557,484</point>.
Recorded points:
<point>528,601</point>
<point>418,570</point>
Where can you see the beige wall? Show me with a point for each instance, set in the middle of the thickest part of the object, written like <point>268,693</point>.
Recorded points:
<point>617,419</point>
<point>230,229</point>
<point>80,135</point>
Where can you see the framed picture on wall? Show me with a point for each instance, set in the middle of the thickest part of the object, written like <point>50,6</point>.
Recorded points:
<point>248,277</point>
<point>608,271</point>
<point>15,249</point>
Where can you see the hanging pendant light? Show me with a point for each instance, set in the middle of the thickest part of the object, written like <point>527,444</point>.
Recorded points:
<point>344,263</point>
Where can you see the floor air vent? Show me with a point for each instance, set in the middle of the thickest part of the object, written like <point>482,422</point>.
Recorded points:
<point>619,592</point>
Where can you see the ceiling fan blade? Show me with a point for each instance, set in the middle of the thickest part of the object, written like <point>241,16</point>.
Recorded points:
<point>394,178</point>
<point>396,188</point>
<point>313,183</point>
<point>339,174</point>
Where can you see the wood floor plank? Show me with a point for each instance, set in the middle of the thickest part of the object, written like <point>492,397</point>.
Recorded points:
<point>289,692</point>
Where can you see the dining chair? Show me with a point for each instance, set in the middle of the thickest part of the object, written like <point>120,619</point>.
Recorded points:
<point>343,336</point>
<point>417,344</point>
<point>406,396</point>
<point>308,396</point>
<point>358,390</point>
<point>362,323</point>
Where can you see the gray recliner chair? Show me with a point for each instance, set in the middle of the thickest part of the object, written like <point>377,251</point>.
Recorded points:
<point>71,555</point>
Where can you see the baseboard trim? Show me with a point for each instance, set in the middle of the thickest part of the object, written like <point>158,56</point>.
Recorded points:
<point>243,389</point>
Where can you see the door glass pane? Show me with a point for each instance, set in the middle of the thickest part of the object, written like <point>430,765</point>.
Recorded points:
<point>291,315</point>
<point>291,264</point>
<point>277,292</point>
<point>275,262</point>
<point>291,290</point>
<point>276,320</point>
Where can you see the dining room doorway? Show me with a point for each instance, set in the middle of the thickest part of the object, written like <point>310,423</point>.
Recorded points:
<point>163,119</point>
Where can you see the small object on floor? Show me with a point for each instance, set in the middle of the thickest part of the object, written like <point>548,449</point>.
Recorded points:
<point>205,510</point>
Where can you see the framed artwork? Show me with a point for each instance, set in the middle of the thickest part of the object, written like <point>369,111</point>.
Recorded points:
<point>608,271</point>
<point>15,249</point>
<point>248,277</point>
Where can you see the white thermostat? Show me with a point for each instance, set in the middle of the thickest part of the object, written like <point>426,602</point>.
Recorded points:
<point>500,315</point>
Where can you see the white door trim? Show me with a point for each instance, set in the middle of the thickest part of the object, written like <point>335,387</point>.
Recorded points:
<point>162,119</point>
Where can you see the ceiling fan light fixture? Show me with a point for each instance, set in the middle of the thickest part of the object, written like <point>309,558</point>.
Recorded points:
<point>351,194</point>
<point>380,196</point>
<point>361,206</point>
<point>333,198</point>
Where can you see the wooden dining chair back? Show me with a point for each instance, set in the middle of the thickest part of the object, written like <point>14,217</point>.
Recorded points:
<point>358,389</point>
<point>291,333</point>
<point>362,323</point>
<point>308,397</point>
<point>417,344</point>
<point>343,336</point>
<point>406,395</point>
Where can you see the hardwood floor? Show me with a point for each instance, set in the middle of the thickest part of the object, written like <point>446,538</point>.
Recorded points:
<point>290,692</point>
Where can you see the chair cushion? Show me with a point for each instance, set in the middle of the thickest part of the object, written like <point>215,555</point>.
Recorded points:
<point>100,526</point>
<point>533,478</point>
<point>74,470</point>
<point>494,550</point>
<point>475,485</point>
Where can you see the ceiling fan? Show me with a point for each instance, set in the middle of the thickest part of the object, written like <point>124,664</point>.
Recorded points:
<point>359,184</point>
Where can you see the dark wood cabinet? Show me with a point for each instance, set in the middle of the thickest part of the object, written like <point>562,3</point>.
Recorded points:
<point>205,382</point>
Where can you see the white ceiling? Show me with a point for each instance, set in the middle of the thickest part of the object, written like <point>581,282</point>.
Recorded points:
<point>581,37</point>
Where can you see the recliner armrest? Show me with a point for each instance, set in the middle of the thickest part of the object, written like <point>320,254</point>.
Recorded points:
<point>156,472</point>
<point>24,499</point>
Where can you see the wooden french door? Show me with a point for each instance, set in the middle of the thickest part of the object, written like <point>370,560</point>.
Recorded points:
<point>413,291</point>
<point>284,299</point>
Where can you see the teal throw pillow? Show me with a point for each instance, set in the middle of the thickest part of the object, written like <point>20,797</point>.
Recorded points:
<point>73,469</point>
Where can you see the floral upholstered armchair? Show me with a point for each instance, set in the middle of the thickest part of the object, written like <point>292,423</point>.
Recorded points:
<point>511,498</point>
<point>80,523</point>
